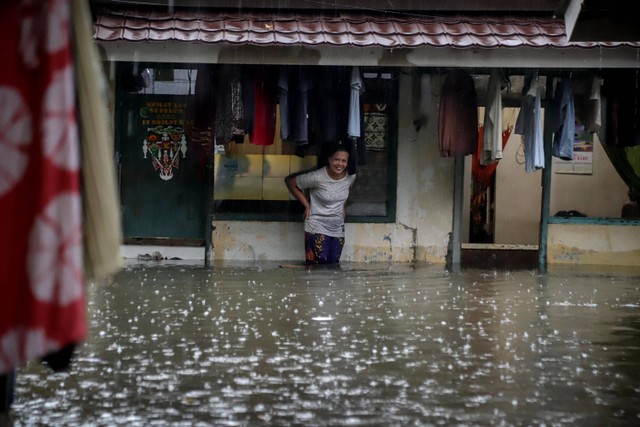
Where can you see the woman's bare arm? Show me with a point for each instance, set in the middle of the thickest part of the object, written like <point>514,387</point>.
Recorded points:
<point>298,193</point>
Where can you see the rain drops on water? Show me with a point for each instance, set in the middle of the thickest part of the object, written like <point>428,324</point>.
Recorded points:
<point>373,349</point>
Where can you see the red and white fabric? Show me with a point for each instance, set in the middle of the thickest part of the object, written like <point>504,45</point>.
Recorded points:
<point>42,306</point>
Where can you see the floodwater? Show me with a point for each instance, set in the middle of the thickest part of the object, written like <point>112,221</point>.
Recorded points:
<point>363,345</point>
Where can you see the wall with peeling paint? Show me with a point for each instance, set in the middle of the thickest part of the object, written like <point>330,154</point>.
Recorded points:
<point>593,244</point>
<point>424,205</point>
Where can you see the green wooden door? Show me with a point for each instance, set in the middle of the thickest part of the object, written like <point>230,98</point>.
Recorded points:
<point>162,172</point>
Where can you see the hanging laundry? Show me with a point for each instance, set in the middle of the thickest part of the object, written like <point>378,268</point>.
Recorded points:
<point>300,104</point>
<point>283,102</point>
<point>229,96</point>
<point>248,100</point>
<point>329,121</point>
<point>357,89</point>
<point>529,123</point>
<point>331,97</point>
<point>621,89</point>
<point>202,105</point>
<point>492,141</point>
<point>238,123</point>
<point>294,85</point>
<point>593,116</point>
<point>564,125</point>
<point>264,117</point>
<point>354,125</point>
<point>482,174</point>
<point>42,309</point>
<point>222,96</point>
<point>458,115</point>
<point>332,103</point>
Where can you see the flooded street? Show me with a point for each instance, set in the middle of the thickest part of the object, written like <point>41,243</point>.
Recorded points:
<point>181,345</point>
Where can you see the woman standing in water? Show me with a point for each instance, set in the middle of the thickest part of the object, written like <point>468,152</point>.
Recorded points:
<point>325,211</point>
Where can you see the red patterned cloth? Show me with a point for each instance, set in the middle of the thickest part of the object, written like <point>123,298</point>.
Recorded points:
<point>482,173</point>
<point>42,306</point>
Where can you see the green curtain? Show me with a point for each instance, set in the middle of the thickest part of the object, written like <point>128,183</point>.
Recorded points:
<point>626,161</point>
<point>623,86</point>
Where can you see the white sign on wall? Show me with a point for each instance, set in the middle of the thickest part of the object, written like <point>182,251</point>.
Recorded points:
<point>582,163</point>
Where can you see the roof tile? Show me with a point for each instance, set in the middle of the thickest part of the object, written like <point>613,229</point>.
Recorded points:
<point>162,35</point>
<point>137,23</point>
<point>345,29</point>
<point>510,41</point>
<point>427,28</point>
<point>388,41</point>
<point>107,33</point>
<point>360,28</point>
<point>314,38</point>
<point>435,39</point>
<point>186,24</point>
<point>337,39</point>
<point>456,28</point>
<point>462,40</point>
<point>286,38</point>
<point>504,29</point>
<point>237,25</point>
<point>416,40</point>
<point>186,36</point>
<point>286,26</point>
<point>333,26</point>
<point>241,37</point>
<point>211,36</point>
<point>384,28</point>
<point>210,25</point>
<point>136,35</point>
<point>479,28</point>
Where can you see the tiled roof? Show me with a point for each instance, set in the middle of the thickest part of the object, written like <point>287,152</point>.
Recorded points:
<point>341,29</point>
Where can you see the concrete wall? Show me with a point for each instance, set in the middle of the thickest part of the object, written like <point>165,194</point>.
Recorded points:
<point>593,244</point>
<point>601,194</point>
<point>424,207</point>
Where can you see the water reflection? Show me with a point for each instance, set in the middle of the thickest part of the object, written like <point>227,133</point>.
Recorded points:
<point>363,345</point>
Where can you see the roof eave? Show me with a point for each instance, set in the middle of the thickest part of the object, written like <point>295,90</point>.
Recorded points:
<point>521,57</point>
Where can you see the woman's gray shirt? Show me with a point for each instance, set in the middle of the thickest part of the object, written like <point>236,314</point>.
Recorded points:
<point>328,197</point>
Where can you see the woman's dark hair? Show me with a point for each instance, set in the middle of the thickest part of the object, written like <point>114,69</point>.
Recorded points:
<point>329,149</point>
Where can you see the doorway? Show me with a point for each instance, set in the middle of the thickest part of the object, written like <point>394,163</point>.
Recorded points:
<point>501,220</point>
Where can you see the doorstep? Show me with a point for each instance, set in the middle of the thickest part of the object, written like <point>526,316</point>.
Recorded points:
<point>498,255</point>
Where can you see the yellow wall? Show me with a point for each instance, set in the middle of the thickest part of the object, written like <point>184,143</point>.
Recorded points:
<point>593,244</point>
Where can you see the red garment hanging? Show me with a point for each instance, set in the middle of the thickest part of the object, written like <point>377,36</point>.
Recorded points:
<point>482,174</point>
<point>457,115</point>
<point>42,308</point>
<point>264,121</point>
